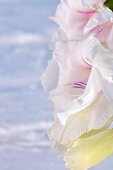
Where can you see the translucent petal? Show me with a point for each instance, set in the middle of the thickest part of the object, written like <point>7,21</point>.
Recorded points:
<point>97,115</point>
<point>86,4</point>
<point>73,74</point>
<point>101,25</point>
<point>90,94</point>
<point>71,20</point>
<point>89,150</point>
<point>50,77</point>
<point>100,18</point>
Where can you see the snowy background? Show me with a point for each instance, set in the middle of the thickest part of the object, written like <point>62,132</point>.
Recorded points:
<point>25,114</point>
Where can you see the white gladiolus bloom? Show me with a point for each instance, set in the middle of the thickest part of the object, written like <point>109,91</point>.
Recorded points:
<point>79,79</point>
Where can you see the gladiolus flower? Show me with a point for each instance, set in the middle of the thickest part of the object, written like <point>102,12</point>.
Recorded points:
<point>79,80</point>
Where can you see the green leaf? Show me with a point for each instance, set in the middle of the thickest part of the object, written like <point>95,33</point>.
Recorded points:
<point>109,4</point>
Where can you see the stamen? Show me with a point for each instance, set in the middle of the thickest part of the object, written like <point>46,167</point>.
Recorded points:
<point>80,85</point>
<point>86,12</point>
<point>90,66</point>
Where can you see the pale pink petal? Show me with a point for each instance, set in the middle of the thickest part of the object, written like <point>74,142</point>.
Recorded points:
<point>86,4</point>
<point>73,74</point>
<point>100,24</point>
<point>100,79</point>
<point>90,94</point>
<point>71,20</point>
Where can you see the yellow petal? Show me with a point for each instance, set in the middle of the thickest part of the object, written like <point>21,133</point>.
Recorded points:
<point>89,150</point>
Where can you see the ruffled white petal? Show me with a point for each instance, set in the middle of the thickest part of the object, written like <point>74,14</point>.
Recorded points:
<point>99,80</point>
<point>93,87</point>
<point>105,72</point>
<point>102,17</point>
<point>97,115</point>
<point>50,76</point>
<point>101,25</point>
<point>71,20</point>
<point>86,4</point>
<point>73,74</point>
